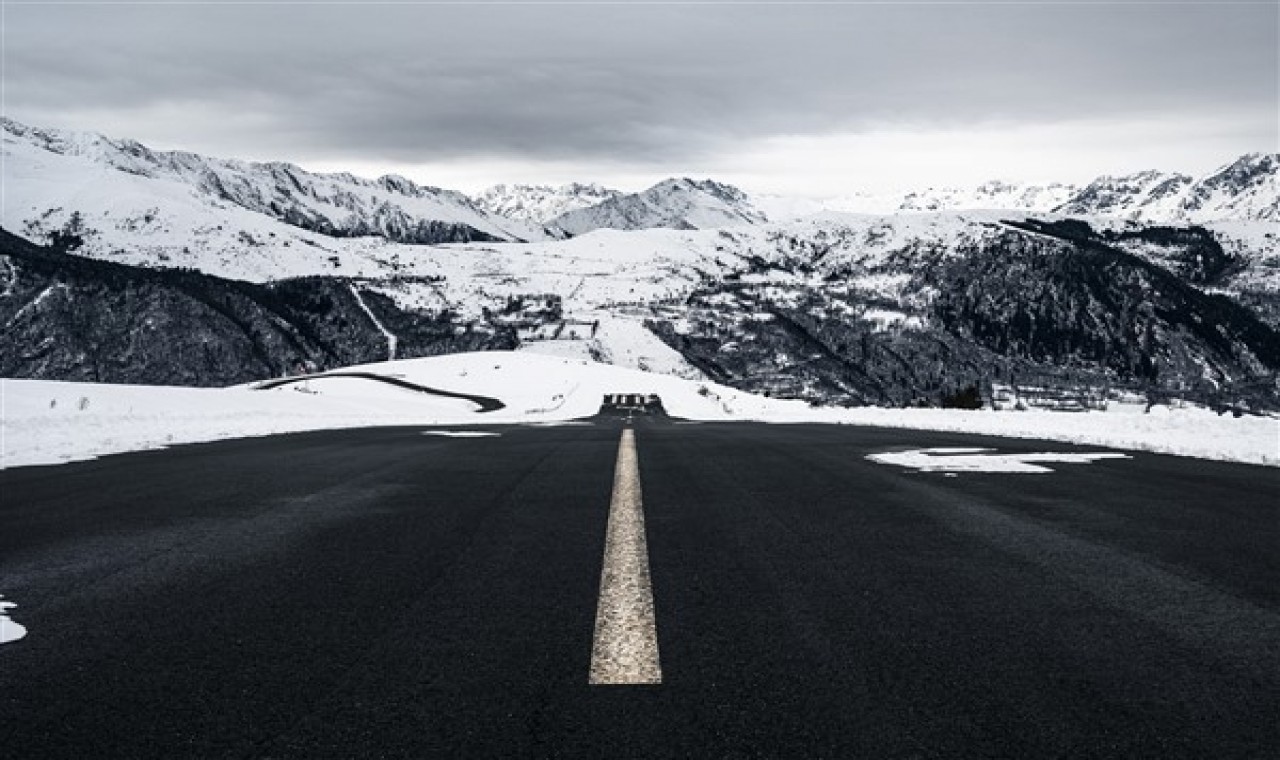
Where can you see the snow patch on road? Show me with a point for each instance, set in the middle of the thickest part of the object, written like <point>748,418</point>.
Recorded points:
<point>953,460</point>
<point>9,630</point>
<point>463,433</point>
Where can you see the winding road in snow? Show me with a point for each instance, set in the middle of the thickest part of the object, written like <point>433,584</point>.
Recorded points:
<point>381,592</point>
<point>485,403</point>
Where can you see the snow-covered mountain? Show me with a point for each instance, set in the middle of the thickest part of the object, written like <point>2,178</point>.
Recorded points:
<point>835,310</point>
<point>990,195</point>
<point>1148,193</point>
<point>338,205</point>
<point>687,277</point>
<point>1247,188</point>
<point>539,204</point>
<point>681,204</point>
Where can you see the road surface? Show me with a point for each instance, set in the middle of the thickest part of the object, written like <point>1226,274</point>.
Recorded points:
<point>385,593</point>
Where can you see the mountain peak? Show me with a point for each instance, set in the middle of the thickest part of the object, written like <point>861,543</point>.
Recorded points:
<point>338,205</point>
<point>540,204</point>
<point>677,203</point>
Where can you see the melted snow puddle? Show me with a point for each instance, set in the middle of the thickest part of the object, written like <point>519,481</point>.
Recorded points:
<point>462,433</point>
<point>9,630</point>
<point>953,460</point>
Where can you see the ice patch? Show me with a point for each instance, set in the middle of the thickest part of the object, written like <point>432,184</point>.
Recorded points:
<point>953,460</point>
<point>462,433</point>
<point>9,630</point>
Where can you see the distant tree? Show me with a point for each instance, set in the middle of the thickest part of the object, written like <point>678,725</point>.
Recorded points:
<point>965,398</point>
<point>71,236</point>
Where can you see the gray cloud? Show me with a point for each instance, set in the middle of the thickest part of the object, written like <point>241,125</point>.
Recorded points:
<point>635,84</point>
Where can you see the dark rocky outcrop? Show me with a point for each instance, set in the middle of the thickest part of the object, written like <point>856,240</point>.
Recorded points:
<point>71,318</point>
<point>1049,301</point>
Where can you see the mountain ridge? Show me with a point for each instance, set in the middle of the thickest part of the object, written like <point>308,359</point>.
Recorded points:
<point>833,307</point>
<point>336,205</point>
<point>676,203</point>
<point>540,204</point>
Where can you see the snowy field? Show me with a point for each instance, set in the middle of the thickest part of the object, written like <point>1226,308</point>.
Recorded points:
<point>49,422</point>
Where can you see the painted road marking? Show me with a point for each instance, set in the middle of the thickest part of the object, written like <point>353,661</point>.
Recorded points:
<point>625,649</point>
<point>953,460</point>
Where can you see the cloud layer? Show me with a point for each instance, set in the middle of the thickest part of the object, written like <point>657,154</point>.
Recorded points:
<point>643,87</point>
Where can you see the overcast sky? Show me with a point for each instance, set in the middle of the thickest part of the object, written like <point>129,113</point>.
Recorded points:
<point>813,99</point>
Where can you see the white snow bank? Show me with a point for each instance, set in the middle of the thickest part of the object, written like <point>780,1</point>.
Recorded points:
<point>47,422</point>
<point>9,630</point>
<point>1192,432</point>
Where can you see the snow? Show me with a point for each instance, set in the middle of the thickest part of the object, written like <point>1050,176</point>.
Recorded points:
<point>259,187</point>
<point>463,433</point>
<point>34,303</point>
<point>392,341</point>
<point>542,203</point>
<point>884,319</point>
<point>673,203</point>
<point>626,342</point>
<point>9,630</point>
<point>1244,189</point>
<point>48,422</point>
<point>156,209</point>
<point>1190,431</point>
<point>980,460</point>
<point>166,216</point>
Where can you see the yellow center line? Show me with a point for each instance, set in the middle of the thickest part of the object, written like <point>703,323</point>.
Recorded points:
<point>625,650</point>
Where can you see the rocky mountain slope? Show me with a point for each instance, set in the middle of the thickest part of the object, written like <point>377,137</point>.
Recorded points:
<point>1247,188</point>
<point>681,204</point>
<point>73,318</point>
<point>1015,303</point>
<point>687,276</point>
<point>540,204</point>
<point>839,310</point>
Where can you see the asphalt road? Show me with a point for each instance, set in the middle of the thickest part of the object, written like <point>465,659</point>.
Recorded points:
<point>384,593</point>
